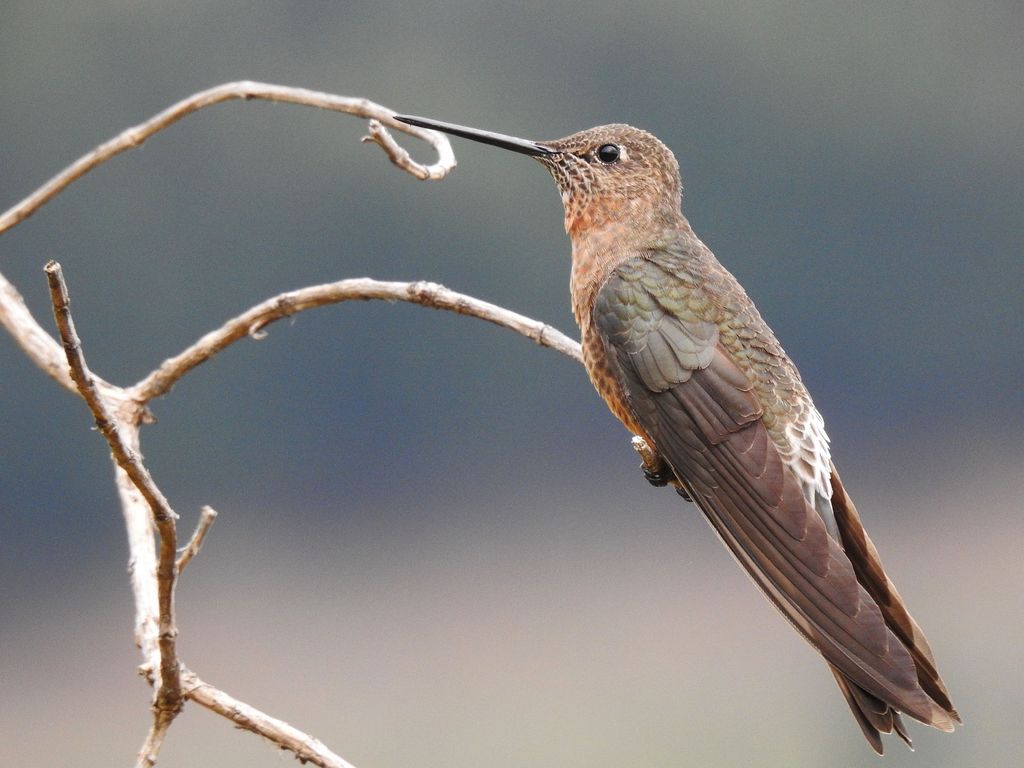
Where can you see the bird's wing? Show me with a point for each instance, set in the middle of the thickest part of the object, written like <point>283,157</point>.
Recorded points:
<point>705,418</point>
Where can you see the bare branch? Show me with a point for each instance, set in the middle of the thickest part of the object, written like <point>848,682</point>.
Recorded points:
<point>432,295</point>
<point>145,505</point>
<point>119,412</point>
<point>167,701</point>
<point>244,90</point>
<point>207,516</point>
<point>305,747</point>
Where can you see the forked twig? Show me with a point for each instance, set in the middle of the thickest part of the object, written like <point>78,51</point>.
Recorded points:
<point>121,431</point>
<point>167,701</point>
<point>85,382</point>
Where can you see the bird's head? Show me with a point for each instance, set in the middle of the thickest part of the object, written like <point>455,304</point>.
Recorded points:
<point>612,176</point>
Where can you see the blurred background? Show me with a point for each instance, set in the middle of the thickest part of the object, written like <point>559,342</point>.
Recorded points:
<point>435,546</point>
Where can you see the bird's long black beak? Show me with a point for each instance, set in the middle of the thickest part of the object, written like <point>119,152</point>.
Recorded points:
<point>523,146</point>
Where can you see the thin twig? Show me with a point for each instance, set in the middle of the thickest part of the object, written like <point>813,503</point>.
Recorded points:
<point>244,90</point>
<point>154,740</point>
<point>167,701</point>
<point>305,747</point>
<point>252,321</point>
<point>207,516</point>
<point>36,343</point>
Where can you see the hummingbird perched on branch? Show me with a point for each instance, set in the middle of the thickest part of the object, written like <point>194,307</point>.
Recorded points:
<point>683,358</point>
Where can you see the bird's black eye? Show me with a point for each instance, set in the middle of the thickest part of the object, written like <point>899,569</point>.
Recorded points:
<point>608,153</point>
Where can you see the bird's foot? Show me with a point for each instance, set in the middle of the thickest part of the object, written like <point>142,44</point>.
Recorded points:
<point>659,477</point>
<point>655,469</point>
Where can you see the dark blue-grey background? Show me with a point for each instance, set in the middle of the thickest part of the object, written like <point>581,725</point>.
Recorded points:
<point>435,547</point>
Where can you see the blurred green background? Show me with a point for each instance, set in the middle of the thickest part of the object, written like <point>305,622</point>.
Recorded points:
<point>435,546</point>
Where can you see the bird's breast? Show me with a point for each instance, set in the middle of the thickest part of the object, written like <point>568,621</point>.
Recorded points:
<point>604,377</point>
<point>592,263</point>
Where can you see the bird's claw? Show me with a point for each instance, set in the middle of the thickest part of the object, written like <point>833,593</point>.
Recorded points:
<point>659,477</point>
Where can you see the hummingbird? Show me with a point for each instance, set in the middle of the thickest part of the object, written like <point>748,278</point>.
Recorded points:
<point>683,358</point>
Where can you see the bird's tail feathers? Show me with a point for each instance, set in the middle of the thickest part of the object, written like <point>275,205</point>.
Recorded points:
<point>870,573</point>
<point>873,715</point>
